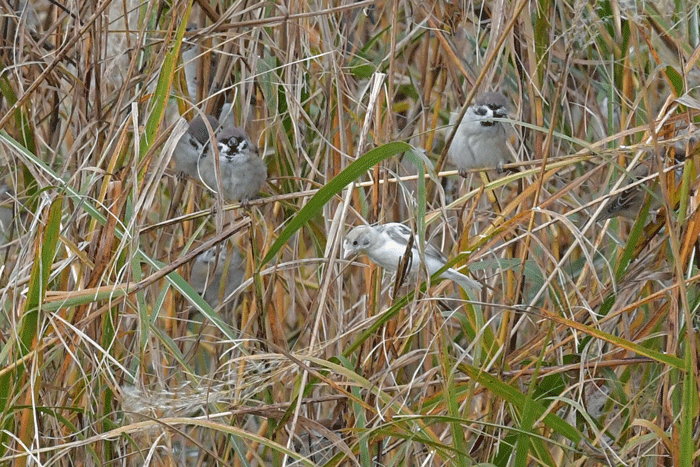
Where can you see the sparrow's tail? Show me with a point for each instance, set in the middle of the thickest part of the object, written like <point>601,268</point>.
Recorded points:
<point>465,282</point>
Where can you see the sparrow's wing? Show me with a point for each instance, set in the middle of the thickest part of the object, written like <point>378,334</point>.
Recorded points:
<point>396,232</point>
<point>198,129</point>
<point>627,203</point>
<point>401,233</point>
<point>432,252</point>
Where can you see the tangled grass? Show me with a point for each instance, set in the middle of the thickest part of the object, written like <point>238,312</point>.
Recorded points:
<point>580,350</point>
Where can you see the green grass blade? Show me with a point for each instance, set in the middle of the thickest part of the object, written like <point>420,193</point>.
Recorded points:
<point>518,399</point>
<point>165,84</point>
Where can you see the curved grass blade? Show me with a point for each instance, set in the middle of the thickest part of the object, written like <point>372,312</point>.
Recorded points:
<point>660,357</point>
<point>29,332</point>
<point>518,399</point>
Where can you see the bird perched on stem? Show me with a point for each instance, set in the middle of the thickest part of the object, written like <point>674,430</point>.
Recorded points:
<point>242,172</point>
<point>629,203</point>
<point>193,144</point>
<point>386,244</point>
<point>480,142</point>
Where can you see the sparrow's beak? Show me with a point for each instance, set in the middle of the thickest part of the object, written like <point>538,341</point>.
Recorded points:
<point>347,252</point>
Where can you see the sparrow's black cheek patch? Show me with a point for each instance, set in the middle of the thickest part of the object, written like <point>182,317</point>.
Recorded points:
<point>236,145</point>
<point>195,143</point>
<point>229,148</point>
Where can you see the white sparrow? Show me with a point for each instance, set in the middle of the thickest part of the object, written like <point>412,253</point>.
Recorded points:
<point>208,272</point>
<point>242,172</point>
<point>480,142</point>
<point>385,244</point>
<point>628,203</point>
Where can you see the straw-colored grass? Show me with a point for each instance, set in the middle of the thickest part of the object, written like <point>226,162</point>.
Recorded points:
<point>580,350</point>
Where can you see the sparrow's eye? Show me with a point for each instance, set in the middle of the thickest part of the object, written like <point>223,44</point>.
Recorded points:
<point>354,243</point>
<point>481,111</point>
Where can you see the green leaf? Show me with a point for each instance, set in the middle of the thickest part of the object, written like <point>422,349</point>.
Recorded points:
<point>518,399</point>
<point>40,276</point>
<point>363,71</point>
<point>675,80</point>
<point>527,437</point>
<point>165,84</point>
<point>689,411</point>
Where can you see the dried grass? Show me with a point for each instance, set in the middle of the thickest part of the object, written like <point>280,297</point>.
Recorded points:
<point>581,350</point>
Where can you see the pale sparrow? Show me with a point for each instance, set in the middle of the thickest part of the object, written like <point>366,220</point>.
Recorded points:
<point>208,272</point>
<point>242,172</point>
<point>385,244</point>
<point>480,142</point>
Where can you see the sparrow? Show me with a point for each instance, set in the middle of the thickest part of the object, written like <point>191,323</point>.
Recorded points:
<point>208,272</point>
<point>242,172</point>
<point>628,203</point>
<point>192,145</point>
<point>480,142</point>
<point>385,245</point>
